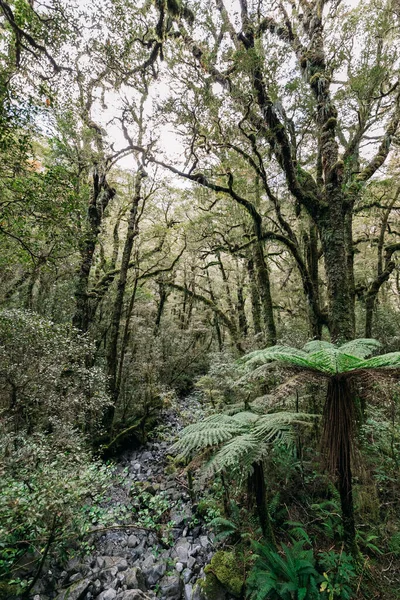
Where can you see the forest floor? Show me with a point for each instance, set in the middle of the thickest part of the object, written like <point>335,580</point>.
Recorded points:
<point>166,554</point>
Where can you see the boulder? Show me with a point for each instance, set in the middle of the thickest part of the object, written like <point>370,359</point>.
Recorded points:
<point>171,587</point>
<point>133,595</point>
<point>134,579</point>
<point>75,592</point>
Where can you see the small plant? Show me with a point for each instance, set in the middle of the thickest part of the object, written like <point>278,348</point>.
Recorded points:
<point>292,576</point>
<point>339,574</point>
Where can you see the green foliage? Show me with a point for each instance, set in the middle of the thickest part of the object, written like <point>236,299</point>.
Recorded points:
<point>46,384</point>
<point>292,576</point>
<point>339,575</point>
<point>245,438</point>
<point>46,483</point>
<point>326,358</point>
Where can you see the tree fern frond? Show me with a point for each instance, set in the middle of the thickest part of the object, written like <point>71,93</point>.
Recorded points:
<point>286,354</point>
<point>271,427</point>
<point>317,345</point>
<point>212,431</point>
<point>391,360</point>
<point>246,417</point>
<point>361,347</point>
<point>332,361</point>
<point>240,452</point>
<point>232,409</point>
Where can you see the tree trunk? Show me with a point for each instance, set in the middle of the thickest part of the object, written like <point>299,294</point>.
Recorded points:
<point>338,440</point>
<point>102,193</point>
<point>112,350</point>
<point>255,298</point>
<point>260,493</point>
<point>264,287</point>
<point>340,304</point>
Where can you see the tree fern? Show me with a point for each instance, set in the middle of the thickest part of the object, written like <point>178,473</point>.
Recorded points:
<point>340,365</point>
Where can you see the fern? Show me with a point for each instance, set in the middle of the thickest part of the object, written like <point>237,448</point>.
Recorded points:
<point>212,431</point>
<point>284,577</point>
<point>240,452</point>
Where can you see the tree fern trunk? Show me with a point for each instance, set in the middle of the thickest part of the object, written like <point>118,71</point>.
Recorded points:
<point>338,439</point>
<point>260,494</point>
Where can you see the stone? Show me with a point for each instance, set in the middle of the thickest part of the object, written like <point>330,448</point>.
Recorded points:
<point>187,574</point>
<point>75,592</point>
<point>182,549</point>
<point>133,595</point>
<point>204,541</point>
<point>188,592</point>
<point>134,579</point>
<point>191,562</point>
<point>171,587</point>
<point>96,587</point>
<point>111,562</point>
<point>107,595</point>
<point>148,562</point>
<point>75,577</point>
<point>179,567</point>
<point>154,574</point>
<point>133,541</point>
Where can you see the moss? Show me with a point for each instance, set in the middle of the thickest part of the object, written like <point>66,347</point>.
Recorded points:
<point>9,592</point>
<point>224,566</point>
<point>210,588</point>
<point>330,123</point>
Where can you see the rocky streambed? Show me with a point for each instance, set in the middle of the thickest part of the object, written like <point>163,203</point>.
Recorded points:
<point>138,564</point>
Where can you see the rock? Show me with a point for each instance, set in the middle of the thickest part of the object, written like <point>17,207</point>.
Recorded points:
<point>75,592</point>
<point>109,574</point>
<point>134,579</point>
<point>188,592</point>
<point>204,541</point>
<point>155,573</point>
<point>179,567</point>
<point>182,549</point>
<point>97,587</point>
<point>136,467</point>
<point>187,574</point>
<point>225,568</point>
<point>148,562</point>
<point>132,595</point>
<point>110,562</point>
<point>73,566</point>
<point>191,562</point>
<point>75,577</point>
<point>133,541</point>
<point>107,595</point>
<point>171,587</point>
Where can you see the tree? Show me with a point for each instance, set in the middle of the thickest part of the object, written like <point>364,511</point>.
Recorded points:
<point>242,441</point>
<point>341,367</point>
<point>296,126</point>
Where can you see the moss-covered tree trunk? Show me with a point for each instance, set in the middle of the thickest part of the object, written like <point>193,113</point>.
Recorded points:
<point>101,195</point>
<point>260,494</point>
<point>112,348</point>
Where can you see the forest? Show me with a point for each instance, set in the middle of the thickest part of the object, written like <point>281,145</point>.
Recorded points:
<point>199,299</point>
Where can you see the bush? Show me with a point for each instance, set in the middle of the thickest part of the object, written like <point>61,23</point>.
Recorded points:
<point>51,490</point>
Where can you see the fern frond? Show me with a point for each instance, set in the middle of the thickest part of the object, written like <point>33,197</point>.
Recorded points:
<point>271,427</point>
<point>246,417</point>
<point>361,347</point>
<point>390,360</point>
<point>317,346</point>
<point>212,431</point>
<point>240,452</point>
<point>286,354</point>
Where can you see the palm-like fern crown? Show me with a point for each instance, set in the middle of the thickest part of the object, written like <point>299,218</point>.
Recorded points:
<point>326,358</point>
<point>242,439</point>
